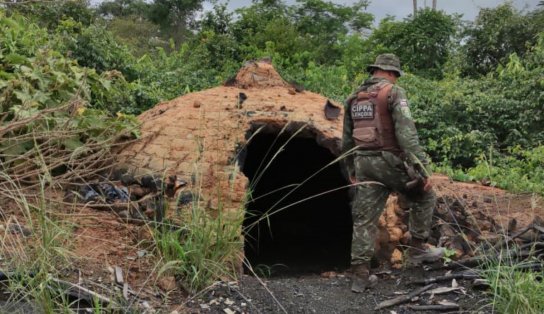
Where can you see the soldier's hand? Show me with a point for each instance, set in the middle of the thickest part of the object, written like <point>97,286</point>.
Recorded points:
<point>353,180</point>
<point>427,184</point>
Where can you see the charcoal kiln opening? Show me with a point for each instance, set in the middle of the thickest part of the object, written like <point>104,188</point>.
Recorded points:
<point>310,236</point>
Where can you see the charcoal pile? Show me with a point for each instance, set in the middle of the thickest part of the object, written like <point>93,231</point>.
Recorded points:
<point>133,199</point>
<point>468,230</point>
<point>476,244</point>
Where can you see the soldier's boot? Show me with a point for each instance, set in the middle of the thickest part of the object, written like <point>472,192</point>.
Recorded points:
<point>418,253</point>
<point>360,278</point>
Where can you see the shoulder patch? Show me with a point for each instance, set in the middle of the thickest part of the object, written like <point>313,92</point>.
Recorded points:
<point>405,111</point>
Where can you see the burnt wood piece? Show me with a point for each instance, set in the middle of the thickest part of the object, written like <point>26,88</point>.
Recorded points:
<point>434,307</point>
<point>464,275</point>
<point>507,239</point>
<point>403,298</point>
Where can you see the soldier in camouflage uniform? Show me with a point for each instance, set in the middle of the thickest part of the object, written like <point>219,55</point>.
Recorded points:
<point>380,132</point>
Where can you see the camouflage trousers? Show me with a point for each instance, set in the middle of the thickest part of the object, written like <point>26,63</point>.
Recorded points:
<point>387,172</point>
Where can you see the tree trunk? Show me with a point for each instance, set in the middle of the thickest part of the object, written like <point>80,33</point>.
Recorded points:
<point>434,5</point>
<point>415,7</point>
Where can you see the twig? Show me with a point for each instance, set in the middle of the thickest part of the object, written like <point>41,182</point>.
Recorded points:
<point>82,293</point>
<point>24,122</point>
<point>434,307</point>
<point>506,239</point>
<point>403,298</point>
<point>467,275</point>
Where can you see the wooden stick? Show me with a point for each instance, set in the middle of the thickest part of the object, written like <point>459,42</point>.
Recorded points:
<point>403,298</point>
<point>538,228</point>
<point>82,293</point>
<point>529,246</point>
<point>467,275</point>
<point>506,239</point>
<point>434,307</point>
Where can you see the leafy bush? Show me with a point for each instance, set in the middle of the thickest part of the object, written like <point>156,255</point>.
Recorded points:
<point>44,98</point>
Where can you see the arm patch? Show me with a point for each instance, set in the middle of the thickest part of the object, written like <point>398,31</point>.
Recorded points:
<point>404,108</point>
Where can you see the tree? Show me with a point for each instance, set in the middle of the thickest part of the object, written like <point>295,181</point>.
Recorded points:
<point>311,30</point>
<point>174,16</point>
<point>422,42</point>
<point>496,34</point>
<point>124,8</point>
<point>129,21</point>
<point>323,23</point>
<point>51,13</point>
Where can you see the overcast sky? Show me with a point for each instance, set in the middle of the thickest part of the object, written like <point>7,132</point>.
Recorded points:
<point>402,8</point>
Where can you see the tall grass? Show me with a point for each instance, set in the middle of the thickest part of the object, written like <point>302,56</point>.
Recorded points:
<point>33,260</point>
<point>512,290</point>
<point>205,247</point>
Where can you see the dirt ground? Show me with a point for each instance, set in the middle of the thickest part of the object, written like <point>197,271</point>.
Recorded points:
<point>318,294</point>
<point>101,242</point>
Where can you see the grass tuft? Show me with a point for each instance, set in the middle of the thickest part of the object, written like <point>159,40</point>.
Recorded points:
<point>202,249</point>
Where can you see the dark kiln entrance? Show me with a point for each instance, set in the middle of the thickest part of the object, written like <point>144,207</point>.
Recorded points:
<point>310,236</point>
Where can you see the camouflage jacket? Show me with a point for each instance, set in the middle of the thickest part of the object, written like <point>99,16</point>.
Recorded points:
<point>405,129</point>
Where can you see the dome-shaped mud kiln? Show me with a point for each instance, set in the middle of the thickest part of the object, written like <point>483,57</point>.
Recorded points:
<point>262,147</point>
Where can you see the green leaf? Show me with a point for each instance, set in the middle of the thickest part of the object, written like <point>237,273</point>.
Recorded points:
<point>22,96</point>
<point>14,58</point>
<point>73,143</point>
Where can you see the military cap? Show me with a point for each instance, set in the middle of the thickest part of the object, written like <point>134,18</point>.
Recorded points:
<point>386,62</point>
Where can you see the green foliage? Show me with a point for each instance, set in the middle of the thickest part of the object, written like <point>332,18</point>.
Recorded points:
<point>139,35</point>
<point>520,170</point>
<point>36,78</point>
<point>514,291</point>
<point>174,16</point>
<point>124,8</point>
<point>94,47</point>
<point>423,42</point>
<point>312,27</point>
<point>496,34</point>
<point>203,249</point>
<point>49,14</point>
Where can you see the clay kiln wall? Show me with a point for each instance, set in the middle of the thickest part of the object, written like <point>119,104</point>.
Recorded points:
<point>199,135</point>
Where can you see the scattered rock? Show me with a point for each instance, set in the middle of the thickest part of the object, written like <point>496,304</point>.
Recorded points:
<point>15,228</point>
<point>141,253</point>
<point>229,302</point>
<point>373,280</point>
<point>118,275</point>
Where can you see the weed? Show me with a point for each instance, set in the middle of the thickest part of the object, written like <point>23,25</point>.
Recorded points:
<point>520,171</point>
<point>513,290</point>
<point>34,259</point>
<point>203,248</point>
